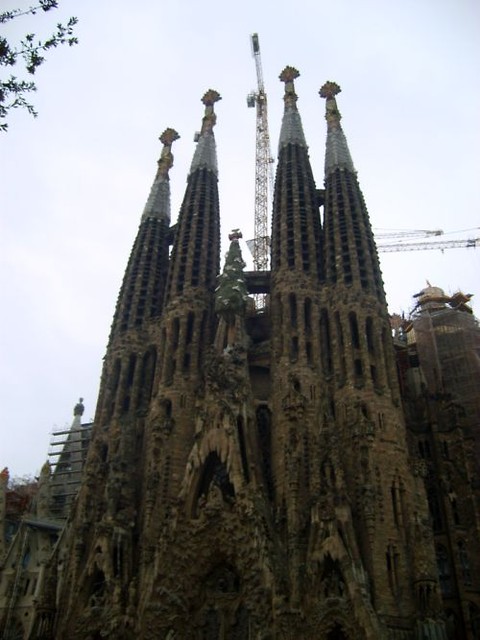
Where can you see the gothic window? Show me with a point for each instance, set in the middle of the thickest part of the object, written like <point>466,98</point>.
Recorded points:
<point>205,337</point>
<point>358,367</point>
<point>332,583</point>
<point>369,335</point>
<point>190,325</point>
<point>215,478</point>
<point>243,449</point>
<point>424,449</point>
<point>445,452</point>
<point>292,299</point>
<point>307,308</point>
<point>325,343</point>
<point>327,471</point>
<point>434,507</point>
<point>117,553</point>
<point>309,352</point>
<point>98,587</point>
<point>341,346</point>
<point>26,558</point>
<point>114,387</point>
<point>147,374</point>
<point>396,491</point>
<point>392,559</point>
<point>352,318</point>
<point>464,562</point>
<point>444,573</point>
<point>175,332</point>
<point>264,422</point>
<point>128,382</point>
<point>294,349</point>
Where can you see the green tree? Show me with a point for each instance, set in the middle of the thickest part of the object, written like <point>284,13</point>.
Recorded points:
<point>31,52</point>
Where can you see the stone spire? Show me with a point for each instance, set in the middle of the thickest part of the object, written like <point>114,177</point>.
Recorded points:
<point>296,232</point>
<point>147,267</point>
<point>292,130</point>
<point>337,153</point>
<point>196,251</point>
<point>205,154</point>
<point>350,252</point>
<point>158,203</point>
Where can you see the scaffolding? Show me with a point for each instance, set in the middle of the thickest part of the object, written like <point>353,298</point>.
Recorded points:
<point>67,455</point>
<point>447,339</point>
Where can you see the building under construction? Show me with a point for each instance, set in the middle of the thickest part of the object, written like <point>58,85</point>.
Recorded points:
<point>268,474</point>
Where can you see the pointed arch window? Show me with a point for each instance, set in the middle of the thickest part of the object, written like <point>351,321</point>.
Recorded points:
<point>264,430</point>
<point>292,299</point>
<point>325,343</point>
<point>147,375</point>
<point>243,448</point>
<point>444,571</point>
<point>464,562</point>
<point>215,481</point>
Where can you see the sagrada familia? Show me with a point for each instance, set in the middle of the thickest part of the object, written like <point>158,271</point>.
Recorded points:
<point>274,473</point>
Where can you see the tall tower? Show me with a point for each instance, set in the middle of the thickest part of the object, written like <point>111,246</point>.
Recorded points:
<point>248,475</point>
<point>99,544</point>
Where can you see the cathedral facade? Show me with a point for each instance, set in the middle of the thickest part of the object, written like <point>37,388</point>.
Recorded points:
<point>251,473</point>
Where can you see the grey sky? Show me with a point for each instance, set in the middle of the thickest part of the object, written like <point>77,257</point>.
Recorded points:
<point>75,180</point>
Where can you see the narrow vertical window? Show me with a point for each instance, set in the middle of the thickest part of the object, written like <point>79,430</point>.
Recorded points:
<point>307,309</point>
<point>325,343</point>
<point>293,310</point>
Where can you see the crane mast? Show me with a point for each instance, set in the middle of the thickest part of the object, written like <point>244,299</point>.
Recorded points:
<point>263,166</point>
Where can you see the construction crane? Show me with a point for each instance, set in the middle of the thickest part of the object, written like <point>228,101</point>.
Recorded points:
<point>469,243</point>
<point>263,168</point>
<point>402,234</point>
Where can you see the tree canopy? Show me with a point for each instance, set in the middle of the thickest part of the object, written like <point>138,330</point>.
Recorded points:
<point>31,52</point>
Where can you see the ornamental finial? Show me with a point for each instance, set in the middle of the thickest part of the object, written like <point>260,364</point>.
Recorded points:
<point>167,138</point>
<point>329,90</point>
<point>209,119</point>
<point>333,115</point>
<point>288,75</point>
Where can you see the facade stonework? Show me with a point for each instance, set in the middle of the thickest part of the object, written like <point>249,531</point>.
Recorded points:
<point>255,474</point>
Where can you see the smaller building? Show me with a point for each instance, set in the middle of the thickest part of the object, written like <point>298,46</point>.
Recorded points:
<point>32,518</point>
<point>438,353</point>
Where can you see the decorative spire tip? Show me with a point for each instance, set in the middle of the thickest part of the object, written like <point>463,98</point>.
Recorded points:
<point>210,97</point>
<point>329,90</point>
<point>289,74</point>
<point>168,137</point>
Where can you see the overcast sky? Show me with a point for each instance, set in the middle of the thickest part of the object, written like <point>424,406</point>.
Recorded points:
<point>74,181</point>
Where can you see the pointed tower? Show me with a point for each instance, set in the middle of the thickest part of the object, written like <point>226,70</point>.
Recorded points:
<point>296,312</point>
<point>97,553</point>
<point>130,362</point>
<point>365,429</point>
<point>188,322</point>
